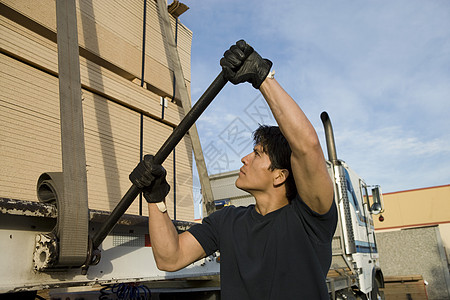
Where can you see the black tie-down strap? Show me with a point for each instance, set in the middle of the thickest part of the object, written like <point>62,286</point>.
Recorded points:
<point>67,244</point>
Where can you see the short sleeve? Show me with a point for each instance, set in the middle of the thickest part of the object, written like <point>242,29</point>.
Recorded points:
<point>207,233</point>
<point>320,226</point>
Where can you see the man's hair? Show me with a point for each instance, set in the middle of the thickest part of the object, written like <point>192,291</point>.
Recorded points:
<point>275,145</point>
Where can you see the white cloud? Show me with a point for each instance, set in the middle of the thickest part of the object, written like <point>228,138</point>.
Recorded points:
<point>395,158</point>
<point>380,68</point>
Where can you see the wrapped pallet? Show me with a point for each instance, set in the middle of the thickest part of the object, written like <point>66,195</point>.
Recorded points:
<point>122,92</point>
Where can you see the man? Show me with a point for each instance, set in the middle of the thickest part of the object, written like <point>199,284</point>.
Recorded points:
<point>279,248</point>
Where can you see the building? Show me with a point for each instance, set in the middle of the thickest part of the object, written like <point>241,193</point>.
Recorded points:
<point>414,237</point>
<point>226,193</point>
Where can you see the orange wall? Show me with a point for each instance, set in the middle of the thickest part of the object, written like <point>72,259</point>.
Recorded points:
<point>415,207</point>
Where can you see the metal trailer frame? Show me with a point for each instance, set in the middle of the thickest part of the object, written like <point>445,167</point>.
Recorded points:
<point>127,255</point>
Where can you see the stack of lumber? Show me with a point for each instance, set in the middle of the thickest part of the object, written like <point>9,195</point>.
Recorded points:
<point>405,288</point>
<point>110,36</point>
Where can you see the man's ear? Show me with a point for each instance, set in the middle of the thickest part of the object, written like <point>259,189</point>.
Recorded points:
<point>280,177</point>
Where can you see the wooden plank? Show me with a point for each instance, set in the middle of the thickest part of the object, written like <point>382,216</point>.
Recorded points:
<point>154,137</point>
<point>339,272</point>
<point>405,287</point>
<point>122,18</point>
<point>30,140</point>
<point>31,46</point>
<point>31,96</point>
<point>184,180</point>
<point>112,149</point>
<point>403,278</point>
<point>28,44</point>
<point>106,30</point>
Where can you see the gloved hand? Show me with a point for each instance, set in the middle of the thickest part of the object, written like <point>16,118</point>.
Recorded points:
<point>151,179</point>
<point>241,63</point>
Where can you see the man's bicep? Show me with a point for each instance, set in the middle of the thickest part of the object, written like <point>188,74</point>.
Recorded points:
<point>191,250</point>
<point>313,181</point>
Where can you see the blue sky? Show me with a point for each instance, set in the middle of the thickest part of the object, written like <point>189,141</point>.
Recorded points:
<point>381,69</point>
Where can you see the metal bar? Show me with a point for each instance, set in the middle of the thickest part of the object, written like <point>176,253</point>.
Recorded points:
<point>141,138</point>
<point>174,186</point>
<point>178,133</point>
<point>141,153</point>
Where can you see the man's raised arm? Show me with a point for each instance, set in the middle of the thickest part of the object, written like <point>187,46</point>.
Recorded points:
<point>308,163</point>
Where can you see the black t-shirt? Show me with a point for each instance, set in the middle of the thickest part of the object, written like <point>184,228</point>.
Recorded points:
<point>285,254</point>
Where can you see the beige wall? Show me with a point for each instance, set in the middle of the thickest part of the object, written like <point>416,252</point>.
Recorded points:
<point>415,208</point>
<point>445,235</point>
<point>418,208</point>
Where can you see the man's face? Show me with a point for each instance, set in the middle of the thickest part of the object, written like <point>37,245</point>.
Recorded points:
<point>255,174</point>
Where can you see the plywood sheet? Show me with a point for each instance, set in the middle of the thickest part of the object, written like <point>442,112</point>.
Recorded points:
<point>114,32</point>
<point>32,47</point>
<point>29,135</point>
<point>30,141</point>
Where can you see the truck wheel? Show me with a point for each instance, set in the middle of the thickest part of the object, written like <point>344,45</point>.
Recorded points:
<point>376,294</point>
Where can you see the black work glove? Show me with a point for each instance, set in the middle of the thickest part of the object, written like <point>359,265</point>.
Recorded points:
<point>241,63</point>
<point>151,179</point>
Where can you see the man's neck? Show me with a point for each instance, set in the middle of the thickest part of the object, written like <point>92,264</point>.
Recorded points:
<point>266,203</point>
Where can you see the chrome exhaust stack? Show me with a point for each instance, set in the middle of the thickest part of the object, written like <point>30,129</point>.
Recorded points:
<point>329,137</point>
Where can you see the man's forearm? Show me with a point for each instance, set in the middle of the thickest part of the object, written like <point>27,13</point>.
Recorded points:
<point>163,236</point>
<point>290,118</point>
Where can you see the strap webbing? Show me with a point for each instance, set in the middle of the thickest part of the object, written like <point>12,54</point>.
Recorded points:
<point>73,212</point>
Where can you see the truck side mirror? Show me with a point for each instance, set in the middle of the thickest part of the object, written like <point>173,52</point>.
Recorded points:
<point>377,198</point>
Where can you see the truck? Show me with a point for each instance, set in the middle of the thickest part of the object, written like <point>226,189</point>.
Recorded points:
<point>52,236</point>
<point>355,269</point>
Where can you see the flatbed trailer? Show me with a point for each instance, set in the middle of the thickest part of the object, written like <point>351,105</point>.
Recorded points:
<point>126,252</point>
